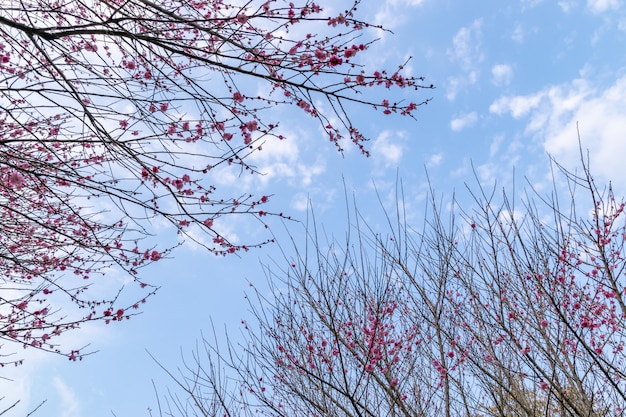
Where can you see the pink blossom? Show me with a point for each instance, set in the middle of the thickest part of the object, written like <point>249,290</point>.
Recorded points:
<point>304,105</point>
<point>16,179</point>
<point>238,97</point>
<point>252,125</point>
<point>335,61</point>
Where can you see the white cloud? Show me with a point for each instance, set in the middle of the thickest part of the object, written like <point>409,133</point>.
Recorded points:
<point>466,49</point>
<point>602,125</point>
<point>556,111</point>
<point>488,173</point>
<point>300,202</point>
<point>517,106</point>
<point>464,121</point>
<point>278,159</point>
<point>69,402</point>
<point>452,88</point>
<point>389,16</point>
<point>387,150</point>
<point>599,6</point>
<point>456,84</point>
<point>495,145</point>
<point>434,160</point>
<point>309,172</point>
<point>502,74</point>
<point>566,6</point>
<point>518,34</point>
<point>554,102</point>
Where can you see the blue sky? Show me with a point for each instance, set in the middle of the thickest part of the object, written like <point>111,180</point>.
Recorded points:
<point>513,78</point>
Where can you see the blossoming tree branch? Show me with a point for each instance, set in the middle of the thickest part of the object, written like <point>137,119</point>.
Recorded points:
<point>509,305</point>
<point>115,113</point>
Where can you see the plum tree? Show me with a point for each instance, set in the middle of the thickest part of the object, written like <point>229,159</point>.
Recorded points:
<point>115,113</point>
<point>494,310</point>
